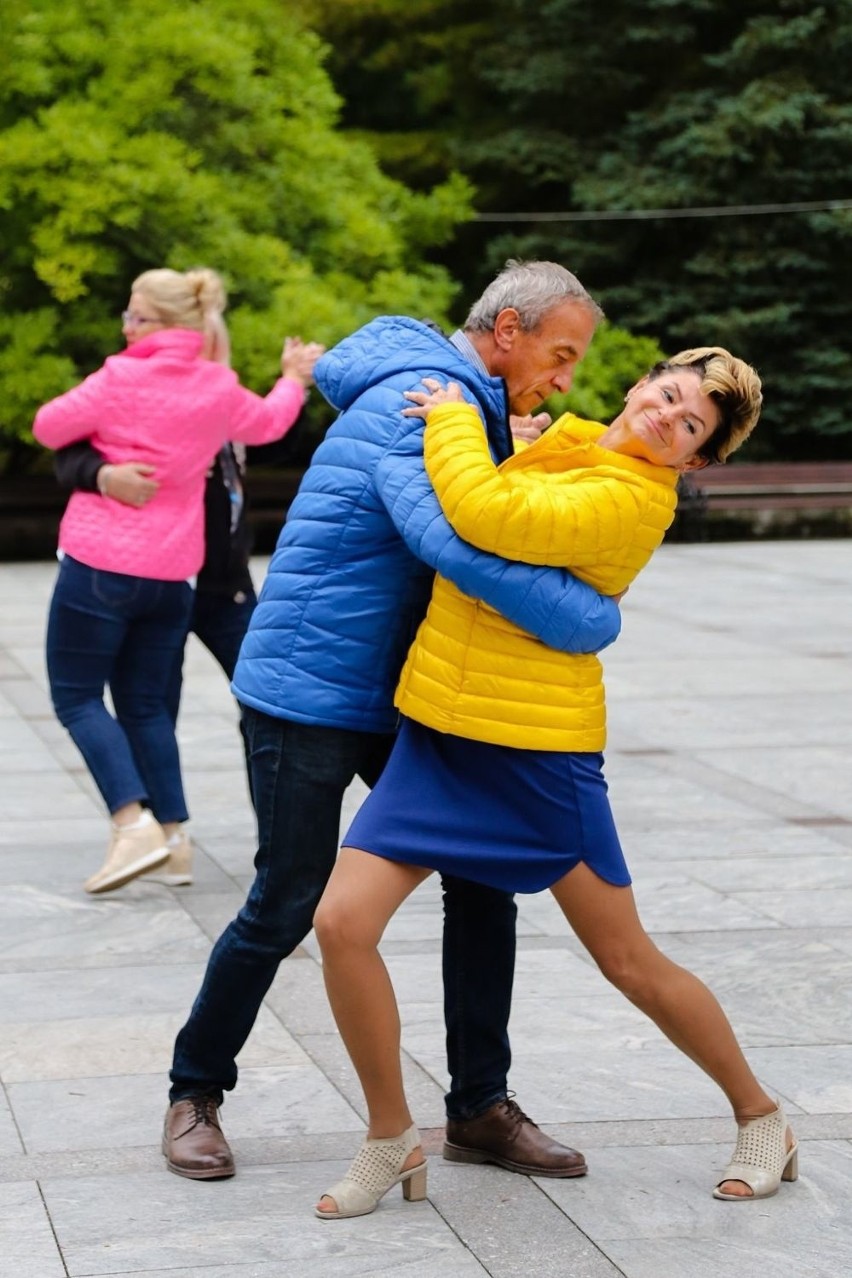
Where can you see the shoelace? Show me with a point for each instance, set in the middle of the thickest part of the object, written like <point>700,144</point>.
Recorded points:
<point>513,1110</point>
<point>204,1111</point>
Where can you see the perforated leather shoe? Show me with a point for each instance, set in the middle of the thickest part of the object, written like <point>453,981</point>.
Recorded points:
<point>505,1136</point>
<point>193,1142</point>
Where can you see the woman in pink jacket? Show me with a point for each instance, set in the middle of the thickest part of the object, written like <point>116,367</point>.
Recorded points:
<point>122,600</point>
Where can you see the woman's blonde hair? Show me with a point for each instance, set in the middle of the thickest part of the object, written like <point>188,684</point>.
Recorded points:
<point>735,388</point>
<point>193,299</point>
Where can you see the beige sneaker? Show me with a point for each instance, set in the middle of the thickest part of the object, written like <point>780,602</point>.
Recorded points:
<point>133,850</point>
<point>177,871</point>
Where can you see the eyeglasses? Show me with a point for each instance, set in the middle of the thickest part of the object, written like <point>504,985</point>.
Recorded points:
<point>134,320</point>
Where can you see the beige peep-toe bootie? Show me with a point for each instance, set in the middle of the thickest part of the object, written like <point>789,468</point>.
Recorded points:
<point>761,1158</point>
<point>375,1170</point>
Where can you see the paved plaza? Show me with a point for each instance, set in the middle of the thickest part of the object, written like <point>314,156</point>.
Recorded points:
<point>730,757</point>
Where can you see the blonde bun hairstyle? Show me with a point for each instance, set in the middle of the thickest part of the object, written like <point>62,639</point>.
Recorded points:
<point>193,299</point>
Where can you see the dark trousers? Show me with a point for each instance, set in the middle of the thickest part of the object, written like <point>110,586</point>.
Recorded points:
<point>220,623</point>
<point>299,775</point>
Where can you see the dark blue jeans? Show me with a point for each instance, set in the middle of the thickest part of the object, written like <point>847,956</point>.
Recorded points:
<point>299,775</point>
<point>113,629</point>
<point>220,623</point>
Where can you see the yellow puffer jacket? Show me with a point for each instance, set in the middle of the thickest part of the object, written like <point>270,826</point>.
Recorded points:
<point>563,501</point>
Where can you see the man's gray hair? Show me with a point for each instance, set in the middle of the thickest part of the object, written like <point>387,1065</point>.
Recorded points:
<point>532,289</point>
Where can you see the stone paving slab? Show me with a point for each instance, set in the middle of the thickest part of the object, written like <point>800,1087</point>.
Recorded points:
<point>730,710</point>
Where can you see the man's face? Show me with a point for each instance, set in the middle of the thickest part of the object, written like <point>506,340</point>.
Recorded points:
<point>536,364</point>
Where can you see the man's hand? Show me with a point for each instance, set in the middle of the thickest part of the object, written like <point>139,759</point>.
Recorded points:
<point>128,482</point>
<point>529,428</point>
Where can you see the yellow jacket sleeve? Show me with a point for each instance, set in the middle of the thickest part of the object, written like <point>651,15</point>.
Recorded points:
<point>567,519</point>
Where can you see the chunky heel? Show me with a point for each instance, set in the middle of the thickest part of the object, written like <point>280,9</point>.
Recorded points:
<point>761,1158</point>
<point>377,1167</point>
<point>414,1189</point>
<point>791,1171</point>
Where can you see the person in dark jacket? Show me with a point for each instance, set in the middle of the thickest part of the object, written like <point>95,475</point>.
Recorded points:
<point>346,589</point>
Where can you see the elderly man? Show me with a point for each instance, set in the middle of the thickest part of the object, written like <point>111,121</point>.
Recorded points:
<point>316,675</point>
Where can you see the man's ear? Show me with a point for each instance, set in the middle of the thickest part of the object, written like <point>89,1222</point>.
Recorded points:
<point>506,328</point>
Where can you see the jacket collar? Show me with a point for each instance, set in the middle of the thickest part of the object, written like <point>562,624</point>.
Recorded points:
<point>185,343</point>
<point>571,431</point>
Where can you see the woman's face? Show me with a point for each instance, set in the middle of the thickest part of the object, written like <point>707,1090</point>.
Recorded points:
<point>138,320</point>
<point>666,419</point>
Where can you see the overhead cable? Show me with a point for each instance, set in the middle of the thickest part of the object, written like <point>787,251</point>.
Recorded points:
<point>638,215</point>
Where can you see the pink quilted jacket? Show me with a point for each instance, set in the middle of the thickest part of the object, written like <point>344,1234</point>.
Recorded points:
<point>158,402</point>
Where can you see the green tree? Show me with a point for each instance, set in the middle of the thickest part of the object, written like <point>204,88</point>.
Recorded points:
<point>684,104</point>
<point>403,71</point>
<point>643,105</point>
<point>150,133</point>
<point>434,124</point>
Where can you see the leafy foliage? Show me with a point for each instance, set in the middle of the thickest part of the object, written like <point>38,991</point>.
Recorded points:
<point>147,134</point>
<point>563,107</point>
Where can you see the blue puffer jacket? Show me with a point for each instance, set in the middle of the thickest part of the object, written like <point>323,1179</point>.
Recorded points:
<point>351,575</point>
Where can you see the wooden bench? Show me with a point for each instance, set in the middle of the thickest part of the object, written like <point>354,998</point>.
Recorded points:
<point>740,500</point>
<point>768,499</point>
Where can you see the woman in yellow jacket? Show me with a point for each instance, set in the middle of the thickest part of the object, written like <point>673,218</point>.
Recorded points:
<point>497,772</point>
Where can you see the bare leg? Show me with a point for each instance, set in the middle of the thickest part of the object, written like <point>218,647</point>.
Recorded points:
<point>605,919</point>
<point>362,895</point>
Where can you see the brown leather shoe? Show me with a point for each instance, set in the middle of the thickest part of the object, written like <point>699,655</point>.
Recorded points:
<point>193,1141</point>
<point>505,1136</point>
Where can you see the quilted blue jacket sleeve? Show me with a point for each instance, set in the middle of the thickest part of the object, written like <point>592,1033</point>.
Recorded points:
<point>561,611</point>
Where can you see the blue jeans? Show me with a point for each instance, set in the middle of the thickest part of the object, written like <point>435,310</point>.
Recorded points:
<point>299,775</point>
<point>109,628</point>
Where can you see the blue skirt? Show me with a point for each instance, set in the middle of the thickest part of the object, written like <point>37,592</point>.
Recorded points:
<point>512,819</point>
